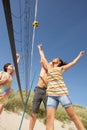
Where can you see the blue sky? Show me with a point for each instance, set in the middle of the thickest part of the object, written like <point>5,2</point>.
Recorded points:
<point>62,31</point>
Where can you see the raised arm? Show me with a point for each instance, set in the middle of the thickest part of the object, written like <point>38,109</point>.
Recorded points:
<point>44,61</point>
<point>18,58</point>
<point>71,64</point>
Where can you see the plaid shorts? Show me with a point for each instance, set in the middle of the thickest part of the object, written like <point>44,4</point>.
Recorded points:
<point>39,96</point>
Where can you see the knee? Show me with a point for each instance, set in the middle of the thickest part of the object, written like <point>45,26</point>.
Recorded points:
<point>50,118</point>
<point>75,117</point>
<point>33,116</point>
<point>72,115</point>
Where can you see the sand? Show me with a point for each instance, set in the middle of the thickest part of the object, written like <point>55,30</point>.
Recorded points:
<point>11,121</point>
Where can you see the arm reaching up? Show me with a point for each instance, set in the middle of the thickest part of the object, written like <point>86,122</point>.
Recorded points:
<point>71,64</point>
<point>44,61</point>
<point>18,58</point>
<point>42,55</point>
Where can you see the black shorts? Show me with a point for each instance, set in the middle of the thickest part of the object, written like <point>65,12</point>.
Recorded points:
<point>39,96</point>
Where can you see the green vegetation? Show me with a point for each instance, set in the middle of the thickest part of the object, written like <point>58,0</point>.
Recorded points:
<point>15,104</point>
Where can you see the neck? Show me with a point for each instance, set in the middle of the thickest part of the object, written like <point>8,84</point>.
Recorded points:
<point>55,65</point>
<point>9,72</point>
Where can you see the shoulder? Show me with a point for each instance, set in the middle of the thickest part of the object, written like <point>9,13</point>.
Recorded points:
<point>3,74</point>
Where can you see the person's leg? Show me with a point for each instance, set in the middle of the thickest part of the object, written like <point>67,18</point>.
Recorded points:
<point>50,118</point>
<point>44,98</point>
<point>74,118</point>
<point>35,107</point>
<point>32,121</point>
<point>52,104</point>
<point>1,107</point>
<point>67,104</point>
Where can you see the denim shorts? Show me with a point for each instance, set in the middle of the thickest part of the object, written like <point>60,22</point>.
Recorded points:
<point>53,101</point>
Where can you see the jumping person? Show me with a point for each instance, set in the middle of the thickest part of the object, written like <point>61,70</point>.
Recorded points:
<point>57,90</point>
<point>39,96</point>
<point>6,78</point>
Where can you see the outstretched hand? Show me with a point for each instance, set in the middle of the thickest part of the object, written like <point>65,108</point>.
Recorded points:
<point>17,55</point>
<point>82,53</point>
<point>40,46</point>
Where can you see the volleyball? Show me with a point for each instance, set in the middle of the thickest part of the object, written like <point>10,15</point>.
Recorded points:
<point>35,24</point>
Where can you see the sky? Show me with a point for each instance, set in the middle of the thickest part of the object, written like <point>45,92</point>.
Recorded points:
<point>63,33</point>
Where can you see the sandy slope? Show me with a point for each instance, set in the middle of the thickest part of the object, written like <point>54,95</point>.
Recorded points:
<point>11,121</point>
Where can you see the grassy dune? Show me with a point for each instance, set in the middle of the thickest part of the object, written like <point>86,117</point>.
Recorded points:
<point>15,105</point>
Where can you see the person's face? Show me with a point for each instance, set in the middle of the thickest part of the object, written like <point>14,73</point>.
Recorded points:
<point>56,61</point>
<point>10,68</point>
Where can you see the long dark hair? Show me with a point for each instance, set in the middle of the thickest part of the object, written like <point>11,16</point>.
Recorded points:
<point>62,63</point>
<point>5,66</point>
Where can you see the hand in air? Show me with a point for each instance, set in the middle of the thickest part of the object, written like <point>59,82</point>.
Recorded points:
<point>40,46</point>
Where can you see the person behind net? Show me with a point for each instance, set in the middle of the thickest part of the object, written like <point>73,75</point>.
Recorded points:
<point>6,78</point>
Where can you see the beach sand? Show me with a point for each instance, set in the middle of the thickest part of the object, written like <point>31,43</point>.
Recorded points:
<point>11,121</point>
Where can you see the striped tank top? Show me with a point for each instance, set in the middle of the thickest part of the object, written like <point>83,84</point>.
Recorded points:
<point>56,85</point>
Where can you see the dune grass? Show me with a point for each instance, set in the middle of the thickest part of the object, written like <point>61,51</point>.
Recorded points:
<point>15,104</point>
